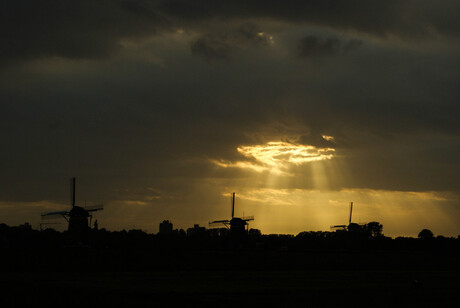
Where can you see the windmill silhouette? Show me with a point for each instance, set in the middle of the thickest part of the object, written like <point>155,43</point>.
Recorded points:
<point>346,227</point>
<point>78,216</point>
<point>237,225</point>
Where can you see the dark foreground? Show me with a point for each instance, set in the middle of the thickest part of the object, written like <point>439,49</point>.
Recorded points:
<point>80,277</point>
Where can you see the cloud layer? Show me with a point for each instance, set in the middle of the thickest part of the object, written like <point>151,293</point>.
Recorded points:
<point>84,29</point>
<point>142,100</point>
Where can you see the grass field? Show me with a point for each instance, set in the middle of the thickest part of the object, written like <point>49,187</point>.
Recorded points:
<point>313,279</point>
<point>229,288</point>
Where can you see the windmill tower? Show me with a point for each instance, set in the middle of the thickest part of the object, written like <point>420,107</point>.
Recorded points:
<point>237,225</point>
<point>78,216</point>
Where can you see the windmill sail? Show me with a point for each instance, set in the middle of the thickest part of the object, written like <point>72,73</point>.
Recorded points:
<point>55,213</point>
<point>94,208</point>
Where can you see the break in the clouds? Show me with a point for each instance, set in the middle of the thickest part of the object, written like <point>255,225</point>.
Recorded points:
<point>159,108</point>
<point>278,156</point>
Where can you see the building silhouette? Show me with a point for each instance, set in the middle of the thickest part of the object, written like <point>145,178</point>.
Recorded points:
<point>166,227</point>
<point>196,231</point>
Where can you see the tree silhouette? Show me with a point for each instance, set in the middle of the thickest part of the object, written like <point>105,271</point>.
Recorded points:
<point>374,229</point>
<point>425,234</point>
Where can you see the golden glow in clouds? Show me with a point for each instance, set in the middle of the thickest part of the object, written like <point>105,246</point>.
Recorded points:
<point>402,213</point>
<point>278,156</point>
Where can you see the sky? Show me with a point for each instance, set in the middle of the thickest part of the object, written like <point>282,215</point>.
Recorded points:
<point>161,109</point>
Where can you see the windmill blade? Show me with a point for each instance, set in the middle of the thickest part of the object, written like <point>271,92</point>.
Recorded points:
<point>247,218</point>
<point>226,221</point>
<point>55,213</point>
<point>72,191</point>
<point>351,211</point>
<point>93,208</point>
<point>233,205</point>
<point>339,227</point>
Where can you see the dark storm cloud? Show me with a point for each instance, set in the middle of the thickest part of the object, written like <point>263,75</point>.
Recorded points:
<point>88,29</point>
<point>405,18</point>
<point>313,46</point>
<point>82,29</point>
<point>220,46</point>
<point>211,48</point>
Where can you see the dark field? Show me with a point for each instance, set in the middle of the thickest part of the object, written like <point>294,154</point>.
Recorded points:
<point>79,277</point>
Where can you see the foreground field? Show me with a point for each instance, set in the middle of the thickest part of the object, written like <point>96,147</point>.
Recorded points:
<point>225,279</point>
<point>241,288</point>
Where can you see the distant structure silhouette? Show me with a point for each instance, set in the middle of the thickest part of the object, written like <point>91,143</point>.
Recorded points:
<point>196,231</point>
<point>78,216</point>
<point>26,226</point>
<point>346,227</point>
<point>43,225</point>
<point>166,227</point>
<point>237,225</point>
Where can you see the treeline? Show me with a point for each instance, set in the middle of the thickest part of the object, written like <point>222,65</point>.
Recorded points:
<point>352,237</point>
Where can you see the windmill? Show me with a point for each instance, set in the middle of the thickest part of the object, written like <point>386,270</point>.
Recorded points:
<point>344,227</point>
<point>78,216</point>
<point>237,225</point>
